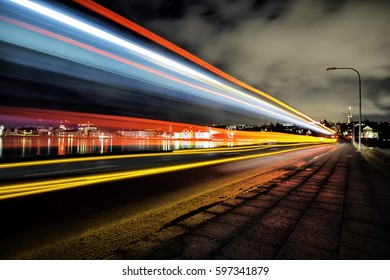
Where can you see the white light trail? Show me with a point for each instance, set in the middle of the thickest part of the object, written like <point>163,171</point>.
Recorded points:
<point>223,93</point>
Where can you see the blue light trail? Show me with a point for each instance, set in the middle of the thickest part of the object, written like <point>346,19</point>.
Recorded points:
<point>63,33</point>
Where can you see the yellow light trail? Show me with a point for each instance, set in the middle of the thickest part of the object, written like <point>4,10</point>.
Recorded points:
<point>128,156</point>
<point>31,188</point>
<point>95,158</point>
<point>239,149</point>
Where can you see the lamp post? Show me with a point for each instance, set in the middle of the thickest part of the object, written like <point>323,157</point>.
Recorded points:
<point>360,101</point>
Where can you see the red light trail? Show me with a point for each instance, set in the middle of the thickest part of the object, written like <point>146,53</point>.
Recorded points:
<point>158,39</point>
<point>174,79</point>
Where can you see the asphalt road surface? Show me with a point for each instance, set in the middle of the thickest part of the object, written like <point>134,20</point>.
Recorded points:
<point>95,220</point>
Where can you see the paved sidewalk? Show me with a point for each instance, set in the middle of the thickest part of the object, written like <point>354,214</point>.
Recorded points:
<point>337,207</point>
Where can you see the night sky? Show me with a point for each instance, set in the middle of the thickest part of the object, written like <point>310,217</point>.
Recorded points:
<point>280,47</point>
<point>284,47</point>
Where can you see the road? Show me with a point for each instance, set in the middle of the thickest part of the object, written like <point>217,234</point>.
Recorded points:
<point>92,221</point>
<point>32,177</point>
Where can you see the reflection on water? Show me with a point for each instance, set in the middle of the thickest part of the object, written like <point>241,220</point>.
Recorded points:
<point>14,147</point>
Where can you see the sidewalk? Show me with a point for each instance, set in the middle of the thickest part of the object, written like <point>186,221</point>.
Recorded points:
<point>338,207</point>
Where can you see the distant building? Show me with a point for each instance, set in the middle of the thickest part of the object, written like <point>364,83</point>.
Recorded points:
<point>137,133</point>
<point>50,130</point>
<point>10,131</point>
<point>88,130</point>
<point>59,131</point>
<point>202,134</point>
<point>93,133</point>
<point>28,131</point>
<point>71,133</point>
<point>42,131</point>
<point>369,133</point>
<point>349,116</point>
<point>1,130</point>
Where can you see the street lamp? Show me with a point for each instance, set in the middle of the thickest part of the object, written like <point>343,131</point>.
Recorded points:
<point>360,101</point>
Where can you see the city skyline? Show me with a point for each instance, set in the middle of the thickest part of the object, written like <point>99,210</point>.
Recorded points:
<point>18,121</point>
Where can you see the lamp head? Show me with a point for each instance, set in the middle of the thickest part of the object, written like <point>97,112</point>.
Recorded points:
<point>331,68</point>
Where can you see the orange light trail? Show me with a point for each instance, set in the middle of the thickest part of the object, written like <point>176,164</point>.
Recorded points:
<point>89,4</point>
<point>118,122</point>
<point>121,122</point>
<point>219,92</point>
<point>126,61</point>
<point>174,153</point>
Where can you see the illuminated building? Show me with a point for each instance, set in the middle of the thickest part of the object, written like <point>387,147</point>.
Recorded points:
<point>28,131</point>
<point>349,116</point>
<point>87,130</point>
<point>137,133</point>
<point>368,132</point>
<point>72,133</point>
<point>10,132</point>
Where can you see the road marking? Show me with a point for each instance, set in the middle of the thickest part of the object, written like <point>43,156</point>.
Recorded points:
<point>69,171</point>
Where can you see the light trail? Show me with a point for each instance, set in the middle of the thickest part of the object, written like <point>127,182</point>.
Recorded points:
<point>197,84</point>
<point>121,122</point>
<point>160,128</point>
<point>277,113</point>
<point>31,188</point>
<point>69,171</point>
<point>158,39</point>
<point>145,155</point>
<point>117,122</point>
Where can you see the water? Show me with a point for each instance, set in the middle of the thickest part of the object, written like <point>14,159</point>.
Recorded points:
<point>22,147</point>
